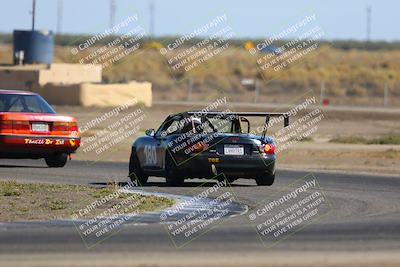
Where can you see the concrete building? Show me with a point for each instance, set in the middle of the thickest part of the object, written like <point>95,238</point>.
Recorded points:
<point>73,84</point>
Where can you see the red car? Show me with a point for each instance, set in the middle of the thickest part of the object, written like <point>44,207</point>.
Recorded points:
<point>30,128</point>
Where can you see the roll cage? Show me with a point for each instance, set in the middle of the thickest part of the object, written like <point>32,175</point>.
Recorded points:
<point>235,117</point>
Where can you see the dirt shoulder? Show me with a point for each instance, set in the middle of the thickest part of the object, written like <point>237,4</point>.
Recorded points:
<point>352,158</point>
<point>21,202</point>
<point>266,258</point>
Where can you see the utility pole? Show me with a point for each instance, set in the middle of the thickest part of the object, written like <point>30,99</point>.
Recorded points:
<point>151,9</point>
<point>386,95</point>
<point>369,10</point>
<point>190,89</point>
<point>59,16</point>
<point>322,95</point>
<point>256,91</point>
<point>33,14</point>
<point>113,7</point>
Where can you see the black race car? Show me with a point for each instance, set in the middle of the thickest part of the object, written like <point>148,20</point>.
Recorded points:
<point>200,144</point>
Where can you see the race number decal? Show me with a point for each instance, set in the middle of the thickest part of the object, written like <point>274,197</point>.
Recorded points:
<point>150,154</point>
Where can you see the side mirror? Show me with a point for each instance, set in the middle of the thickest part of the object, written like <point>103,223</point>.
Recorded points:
<point>150,132</point>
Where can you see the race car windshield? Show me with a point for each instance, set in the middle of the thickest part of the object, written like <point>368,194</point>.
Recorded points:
<point>24,103</point>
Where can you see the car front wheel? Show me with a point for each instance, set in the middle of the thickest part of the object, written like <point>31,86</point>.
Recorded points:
<point>135,171</point>
<point>57,161</point>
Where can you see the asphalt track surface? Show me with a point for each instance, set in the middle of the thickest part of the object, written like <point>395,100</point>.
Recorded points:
<point>365,215</point>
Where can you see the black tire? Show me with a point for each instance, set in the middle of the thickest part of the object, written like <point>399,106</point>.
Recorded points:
<point>136,173</point>
<point>57,161</point>
<point>266,179</point>
<point>171,177</point>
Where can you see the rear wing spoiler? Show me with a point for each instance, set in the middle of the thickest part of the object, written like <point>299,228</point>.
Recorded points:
<point>267,115</point>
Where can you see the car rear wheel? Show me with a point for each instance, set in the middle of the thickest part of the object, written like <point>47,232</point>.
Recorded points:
<point>135,171</point>
<point>266,179</point>
<point>171,177</point>
<point>57,161</point>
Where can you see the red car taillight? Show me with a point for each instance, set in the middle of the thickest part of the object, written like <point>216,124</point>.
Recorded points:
<point>65,126</point>
<point>6,126</point>
<point>21,126</point>
<point>60,126</point>
<point>267,149</point>
<point>73,127</point>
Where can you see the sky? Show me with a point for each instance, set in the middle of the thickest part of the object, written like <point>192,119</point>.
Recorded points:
<point>340,19</point>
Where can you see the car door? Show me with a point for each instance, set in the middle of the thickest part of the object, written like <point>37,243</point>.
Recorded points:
<point>153,154</point>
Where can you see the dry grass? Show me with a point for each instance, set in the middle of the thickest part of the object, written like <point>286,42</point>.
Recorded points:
<point>47,201</point>
<point>383,140</point>
<point>351,76</point>
<point>353,159</point>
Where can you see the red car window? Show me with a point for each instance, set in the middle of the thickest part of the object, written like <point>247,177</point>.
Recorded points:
<point>24,103</point>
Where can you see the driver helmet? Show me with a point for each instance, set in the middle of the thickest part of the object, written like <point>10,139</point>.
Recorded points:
<point>197,125</point>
